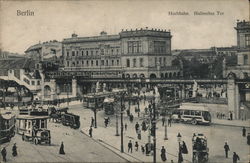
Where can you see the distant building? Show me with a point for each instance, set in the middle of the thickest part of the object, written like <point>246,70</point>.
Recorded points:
<point>242,69</point>
<point>202,55</point>
<point>46,51</point>
<point>130,54</point>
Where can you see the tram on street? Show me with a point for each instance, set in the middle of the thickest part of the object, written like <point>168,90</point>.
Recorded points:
<point>33,126</point>
<point>193,114</point>
<point>108,106</point>
<point>7,127</point>
<point>95,100</point>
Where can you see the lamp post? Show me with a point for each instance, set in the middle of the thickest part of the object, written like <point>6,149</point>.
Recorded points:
<point>166,126</point>
<point>122,109</point>
<point>180,159</point>
<point>154,130</point>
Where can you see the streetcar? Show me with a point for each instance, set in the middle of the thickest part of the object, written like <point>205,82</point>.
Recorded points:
<point>108,105</point>
<point>200,149</point>
<point>33,127</point>
<point>7,127</point>
<point>95,100</point>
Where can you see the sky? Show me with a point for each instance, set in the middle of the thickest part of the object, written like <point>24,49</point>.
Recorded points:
<point>56,20</point>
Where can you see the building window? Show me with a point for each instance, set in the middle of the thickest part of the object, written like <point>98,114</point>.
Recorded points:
<point>87,62</point>
<point>247,40</point>
<point>128,63</point>
<point>117,51</point>
<point>164,61</point>
<point>87,53</point>
<point>82,62</point>
<point>67,63</point>
<point>134,46</point>
<point>82,53</point>
<point>92,63</point>
<point>160,60</point>
<point>102,51</point>
<point>76,53</point>
<point>159,46</point>
<point>96,62</point>
<point>112,51</point>
<point>38,82</point>
<point>96,52</point>
<point>245,60</point>
<point>33,82</point>
<point>107,62</point>
<point>77,62</point>
<point>141,62</point>
<point>118,62</point>
<point>73,53</point>
<point>73,64</point>
<point>67,53</point>
<point>134,62</point>
<point>102,62</point>
<point>112,62</point>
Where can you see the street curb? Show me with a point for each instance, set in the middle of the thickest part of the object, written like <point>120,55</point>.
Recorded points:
<point>105,146</point>
<point>219,124</point>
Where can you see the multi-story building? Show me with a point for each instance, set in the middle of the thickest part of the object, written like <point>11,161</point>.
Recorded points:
<point>130,54</point>
<point>242,69</point>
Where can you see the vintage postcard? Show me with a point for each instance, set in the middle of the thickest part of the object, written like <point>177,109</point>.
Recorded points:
<point>125,81</point>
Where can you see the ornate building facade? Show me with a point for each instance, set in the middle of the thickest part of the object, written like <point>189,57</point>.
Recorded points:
<point>130,54</point>
<point>242,69</point>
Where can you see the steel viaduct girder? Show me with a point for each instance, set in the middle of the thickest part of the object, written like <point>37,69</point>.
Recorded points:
<point>156,81</point>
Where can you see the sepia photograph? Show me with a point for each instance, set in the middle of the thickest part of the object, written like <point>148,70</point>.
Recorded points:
<point>125,81</point>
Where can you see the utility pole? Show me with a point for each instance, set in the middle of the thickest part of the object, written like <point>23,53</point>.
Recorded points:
<point>116,116</point>
<point>122,108</point>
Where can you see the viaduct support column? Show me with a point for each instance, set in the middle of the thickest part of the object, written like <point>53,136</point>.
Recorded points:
<point>233,97</point>
<point>53,89</point>
<point>74,87</point>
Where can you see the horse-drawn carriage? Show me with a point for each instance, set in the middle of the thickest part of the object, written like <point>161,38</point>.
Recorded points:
<point>61,115</point>
<point>200,149</point>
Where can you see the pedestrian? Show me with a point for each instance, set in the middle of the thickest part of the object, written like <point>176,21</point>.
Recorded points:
<point>14,150</point>
<point>136,146</point>
<point>163,121</point>
<point>184,148</point>
<point>130,146</point>
<point>226,147</point>
<point>106,121</point>
<point>244,132</point>
<point>142,149</point>
<point>90,131</point>
<point>137,126</point>
<point>61,151</point>
<point>92,121</point>
<point>235,158</point>
<point>163,154</point>
<point>126,126</point>
<point>128,112</point>
<point>147,149</point>
<point>231,115</point>
<point>170,121</point>
<point>139,134</point>
<point>4,153</point>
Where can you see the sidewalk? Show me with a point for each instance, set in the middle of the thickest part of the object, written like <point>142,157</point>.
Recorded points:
<point>233,123</point>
